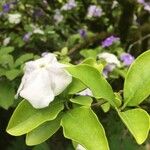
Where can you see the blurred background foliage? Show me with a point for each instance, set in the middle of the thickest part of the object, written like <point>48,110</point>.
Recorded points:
<point>73,31</point>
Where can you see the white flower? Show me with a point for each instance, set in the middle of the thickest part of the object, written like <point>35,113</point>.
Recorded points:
<point>58,17</point>
<point>38,31</point>
<point>114,4</point>
<point>86,92</point>
<point>109,58</point>
<point>69,5</point>
<point>14,18</point>
<point>112,62</point>
<point>94,11</point>
<point>147,6</point>
<point>80,147</point>
<point>44,79</point>
<point>6,41</point>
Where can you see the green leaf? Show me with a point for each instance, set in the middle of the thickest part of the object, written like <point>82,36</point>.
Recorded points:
<point>43,132</point>
<point>89,53</point>
<point>105,107</point>
<point>118,99</point>
<point>7,60</point>
<point>7,94</point>
<point>12,74</point>
<point>23,58</point>
<point>82,125</point>
<point>137,81</point>
<point>138,123</point>
<point>26,118</point>
<point>82,100</point>
<point>92,62</point>
<point>43,146</point>
<point>75,86</point>
<point>6,50</point>
<point>92,78</point>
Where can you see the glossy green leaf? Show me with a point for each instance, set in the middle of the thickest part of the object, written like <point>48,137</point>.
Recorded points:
<point>82,125</point>
<point>137,81</point>
<point>26,118</point>
<point>43,132</point>
<point>138,123</point>
<point>105,107</point>
<point>92,78</point>
<point>82,100</point>
<point>75,86</point>
<point>118,99</point>
<point>92,62</point>
<point>7,94</point>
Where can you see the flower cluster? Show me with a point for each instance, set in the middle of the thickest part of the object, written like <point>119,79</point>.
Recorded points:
<point>113,62</point>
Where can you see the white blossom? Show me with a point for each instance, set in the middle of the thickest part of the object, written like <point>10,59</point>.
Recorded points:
<point>38,31</point>
<point>109,58</point>
<point>69,5</point>
<point>80,147</point>
<point>44,79</point>
<point>58,17</point>
<point>94,11</point>
<point>147,6</point>
<point>14,18</point>
<point>6,41</point>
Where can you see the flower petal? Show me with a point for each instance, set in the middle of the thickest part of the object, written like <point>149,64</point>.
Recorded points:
<point>37,88</point>
<point>61,79</point>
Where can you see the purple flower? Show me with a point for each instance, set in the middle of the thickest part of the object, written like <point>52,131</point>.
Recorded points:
<point>147,7</point>
<point>6,7</point>
<point>83,33</point>
<point>141,1</point>
<point>145,4</point>
<point>38,13</point>
<point>107,69</point>
<point>94,11</point>
<point>127,59</point>
<point>109,41</point>
<point>27,36</point>
<point>69,5</point>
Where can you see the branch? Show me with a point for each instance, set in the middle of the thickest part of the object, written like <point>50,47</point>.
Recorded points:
<point>126,18</point>
<point>87,42</point>
<point>137,42</point>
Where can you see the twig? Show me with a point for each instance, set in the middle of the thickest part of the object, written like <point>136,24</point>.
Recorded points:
<point>87,42</point>
<point>98,103</point>
<point>137,42</point>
